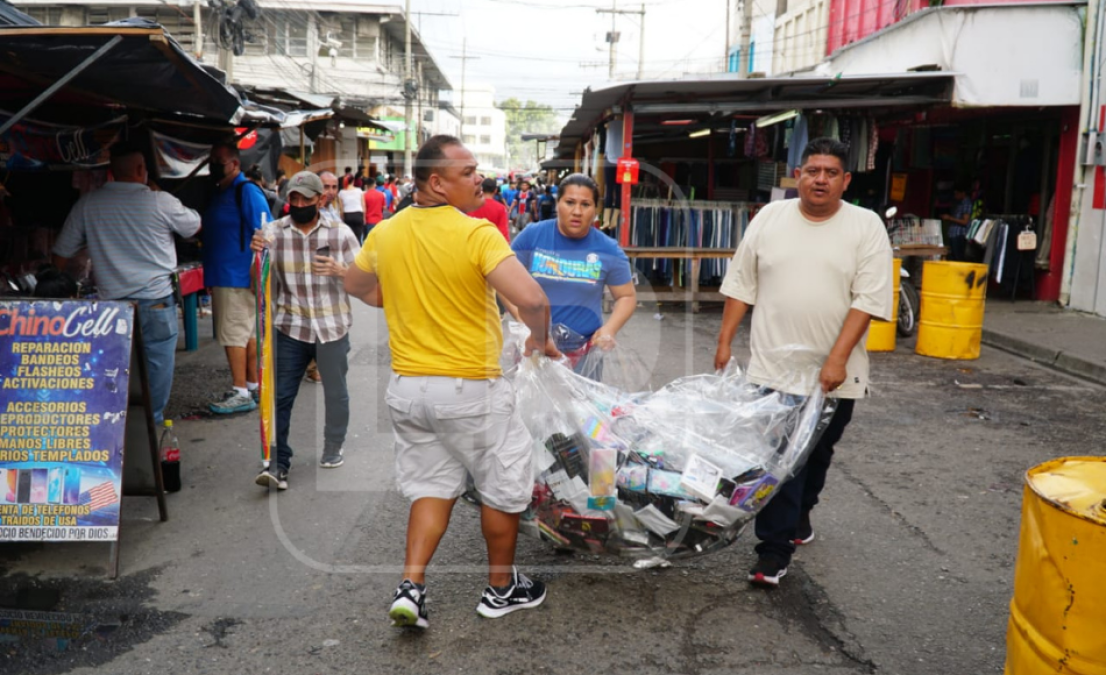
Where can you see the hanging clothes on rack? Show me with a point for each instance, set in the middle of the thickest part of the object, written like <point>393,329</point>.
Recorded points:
<point>800,136</point>
<point>703,224</point>
<point>873,144</point>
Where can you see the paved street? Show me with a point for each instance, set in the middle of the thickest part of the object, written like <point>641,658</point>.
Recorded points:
<point>911,571</point>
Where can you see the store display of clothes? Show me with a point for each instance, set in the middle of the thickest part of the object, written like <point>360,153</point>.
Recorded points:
<point>800,136</point>
<point>661,223</point>
<point>997,236</point>
<point>786,141</point>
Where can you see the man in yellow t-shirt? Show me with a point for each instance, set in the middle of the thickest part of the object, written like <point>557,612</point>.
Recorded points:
<point>817,269</point>
<point>435,271</point>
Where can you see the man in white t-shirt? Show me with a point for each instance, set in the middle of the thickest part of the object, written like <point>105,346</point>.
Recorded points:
<point>817,269</point>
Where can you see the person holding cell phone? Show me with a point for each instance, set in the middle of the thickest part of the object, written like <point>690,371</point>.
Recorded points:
<point>310,252</point>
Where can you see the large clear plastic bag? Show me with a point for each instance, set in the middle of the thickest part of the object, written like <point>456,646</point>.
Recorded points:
<point>615,366</point>
<point>667,474</point>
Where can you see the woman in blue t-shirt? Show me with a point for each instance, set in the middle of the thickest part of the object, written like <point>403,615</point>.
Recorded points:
<point>573,262</point>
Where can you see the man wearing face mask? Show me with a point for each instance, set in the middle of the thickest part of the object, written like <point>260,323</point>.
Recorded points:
<point>129,229</point>
<point>237,209</point>
<point>310,253</point>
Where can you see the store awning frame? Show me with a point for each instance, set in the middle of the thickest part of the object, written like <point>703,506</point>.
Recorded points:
<point>728,95</point>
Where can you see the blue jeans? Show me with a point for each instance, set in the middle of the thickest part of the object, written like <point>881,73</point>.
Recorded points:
<point>292,357</point>
<point>159,338</point>
<point>777,521</point>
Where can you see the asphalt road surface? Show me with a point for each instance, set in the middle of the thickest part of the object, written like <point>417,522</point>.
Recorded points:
<point>911,571</point>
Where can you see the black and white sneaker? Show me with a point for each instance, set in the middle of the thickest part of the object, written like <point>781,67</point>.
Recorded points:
<point>767,572</point>
<point>273,479</point>
<point>409,606</point>
<point>804,533</point>
<point>523,593</point>
<point>332,458</point>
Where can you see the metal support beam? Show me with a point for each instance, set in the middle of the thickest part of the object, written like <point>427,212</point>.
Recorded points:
<point>53,89</point>
<point>730,107</point>
<point>627,153</point>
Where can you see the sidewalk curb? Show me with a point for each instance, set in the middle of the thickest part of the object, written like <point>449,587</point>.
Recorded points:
<point>1058,360</point>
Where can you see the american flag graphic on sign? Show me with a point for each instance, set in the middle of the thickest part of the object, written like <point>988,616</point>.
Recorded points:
<point>99,497</point>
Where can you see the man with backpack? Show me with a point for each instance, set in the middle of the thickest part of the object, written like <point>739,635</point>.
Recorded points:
<point>547,204</point>
<point>235,211</point>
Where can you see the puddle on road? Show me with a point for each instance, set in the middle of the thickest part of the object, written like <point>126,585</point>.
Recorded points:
<point>51,626</point>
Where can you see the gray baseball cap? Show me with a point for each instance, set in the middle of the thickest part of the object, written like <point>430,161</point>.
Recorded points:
<point>306,183</point>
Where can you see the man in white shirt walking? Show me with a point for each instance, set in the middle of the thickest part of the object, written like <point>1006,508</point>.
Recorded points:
<point>817,269</point>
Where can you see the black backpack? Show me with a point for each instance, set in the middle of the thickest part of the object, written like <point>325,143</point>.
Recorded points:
<point>546,207</point>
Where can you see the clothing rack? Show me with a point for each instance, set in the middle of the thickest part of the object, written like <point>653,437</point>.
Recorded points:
<point>664,224</point>
<point>1008,267</point>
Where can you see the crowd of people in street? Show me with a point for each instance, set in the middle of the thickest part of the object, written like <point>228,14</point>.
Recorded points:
<point>816,268</point>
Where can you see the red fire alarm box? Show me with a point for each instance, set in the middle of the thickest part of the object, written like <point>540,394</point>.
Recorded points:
<point>626,171</point>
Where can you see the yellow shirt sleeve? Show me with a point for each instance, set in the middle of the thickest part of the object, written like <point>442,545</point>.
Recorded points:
<point>487,247</point>
<point>366,257</point>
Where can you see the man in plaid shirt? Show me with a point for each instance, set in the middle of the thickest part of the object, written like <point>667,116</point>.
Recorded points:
<point>311,252</point>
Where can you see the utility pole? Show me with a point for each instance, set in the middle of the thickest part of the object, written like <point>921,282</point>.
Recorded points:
<point>613,38</point>
<point>726,54</point>
<point>197,31</point>
<point>418,111</point>
<point>465,58</point>
<point>410,88</point>
<point>226,63</point>
<point>641,46</point>
<point>746,38</point>
<point>313,50</point>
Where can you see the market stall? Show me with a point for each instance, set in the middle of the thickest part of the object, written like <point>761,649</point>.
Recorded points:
<point>710,152</point>
<point>68,94</point>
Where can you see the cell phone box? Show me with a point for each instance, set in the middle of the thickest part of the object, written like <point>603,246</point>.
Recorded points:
<point>567,450</point>
<point>751,496</point>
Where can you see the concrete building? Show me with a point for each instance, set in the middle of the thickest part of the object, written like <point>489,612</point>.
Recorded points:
<point>352,50</point>
<point>484,127</point>
<point>785,36</point>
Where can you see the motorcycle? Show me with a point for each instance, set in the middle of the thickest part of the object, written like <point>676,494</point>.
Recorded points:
<point>909,301</point>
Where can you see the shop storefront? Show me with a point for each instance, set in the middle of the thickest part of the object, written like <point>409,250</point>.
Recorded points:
<point>711,152</point>
<point>69,94</point>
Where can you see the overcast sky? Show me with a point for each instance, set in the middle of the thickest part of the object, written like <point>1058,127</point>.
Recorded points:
<point>534,49</point>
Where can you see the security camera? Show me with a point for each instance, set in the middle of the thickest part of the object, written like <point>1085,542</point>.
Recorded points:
<point>332,43</point>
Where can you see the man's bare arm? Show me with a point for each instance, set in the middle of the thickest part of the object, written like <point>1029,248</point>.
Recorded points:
<point>833,370</point>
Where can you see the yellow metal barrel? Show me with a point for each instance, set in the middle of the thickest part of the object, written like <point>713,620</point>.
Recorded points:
<point>881,334</point>
<point>951,317</point>
<point>1058,614</point>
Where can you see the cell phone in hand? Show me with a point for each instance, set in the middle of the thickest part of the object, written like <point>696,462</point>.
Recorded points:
<point>323,251</point>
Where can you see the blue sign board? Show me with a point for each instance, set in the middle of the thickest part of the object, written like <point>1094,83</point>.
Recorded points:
<point>64,373</point>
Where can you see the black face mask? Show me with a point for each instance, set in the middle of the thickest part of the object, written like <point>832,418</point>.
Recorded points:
<point>303,214</point>
<point>218,171</point>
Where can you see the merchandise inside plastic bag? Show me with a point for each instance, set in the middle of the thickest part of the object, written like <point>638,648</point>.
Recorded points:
<point>660,475</point>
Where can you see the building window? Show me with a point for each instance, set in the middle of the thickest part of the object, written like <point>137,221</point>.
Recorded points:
<point>288,34</point>
<point>468,139</point>
<point>781,7</point>
<point>51,16</point>
<point>485,140</point>
<point>485,121</point>
<point>470,119</point>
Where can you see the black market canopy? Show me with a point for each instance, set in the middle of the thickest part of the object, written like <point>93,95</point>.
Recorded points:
<point>60,73</point>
